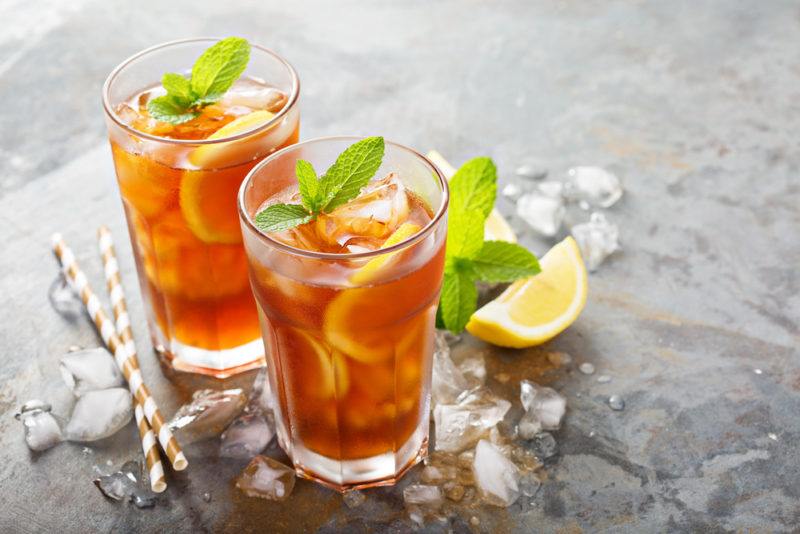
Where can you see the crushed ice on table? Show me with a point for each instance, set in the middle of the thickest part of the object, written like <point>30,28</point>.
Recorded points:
<point>603,379</point>
<point>531,171</point>
<point>542,212</point>
<point>423,494</point>
<point>63,298</point>
<point>543,445</point>
<point>42,429</point>
<point>266,478</point>
<point>617,403</point>
<point>99,414</point>
<point>447,382</point>
<point>89,370</point>
<point>207,415</point>
<point>543,404</point>
<point>127,483</point>
<point>496,477</point>
<point>354,498</point>
<point>473,368</point>
<point>586,368</point>
<point>261,397</point>
<point>593,185</point>
<point>470,418</point>
<point>246,436</point>
<point>511,190</point>
<point>597,239</point>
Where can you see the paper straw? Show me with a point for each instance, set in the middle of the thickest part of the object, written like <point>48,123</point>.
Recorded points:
<point>127,361</point>
<point>118,305</point>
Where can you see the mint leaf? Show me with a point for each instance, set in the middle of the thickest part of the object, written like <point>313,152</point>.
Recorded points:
<point>474,187</point>
<point>167,109</point>
<point>309,184</point>
<point>464,234</point>
<point>500,261</point>
<point>279,217</point>
<point>459,299</point>
<point>178,87</point>
<point>215,71</point>
<point>352,170</point>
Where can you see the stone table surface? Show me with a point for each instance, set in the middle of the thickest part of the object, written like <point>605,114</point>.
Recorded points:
<point>695,105</point>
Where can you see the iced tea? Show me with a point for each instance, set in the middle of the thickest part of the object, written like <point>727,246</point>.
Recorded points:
<point>179,184</point>
<point>347,304</point>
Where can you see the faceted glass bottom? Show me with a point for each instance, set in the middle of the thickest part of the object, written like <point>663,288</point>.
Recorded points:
<point>216,363</point>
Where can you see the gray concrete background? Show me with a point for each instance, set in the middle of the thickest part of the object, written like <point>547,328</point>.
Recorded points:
<point>696,105</point>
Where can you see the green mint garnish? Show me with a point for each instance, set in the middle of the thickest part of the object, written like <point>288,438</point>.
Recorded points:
<point>212,74</point>
<point>468,257</point>
<point>342,182</point>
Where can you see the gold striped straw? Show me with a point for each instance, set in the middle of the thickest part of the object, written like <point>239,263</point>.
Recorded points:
<point>127,361</point>
<point>116,293</point>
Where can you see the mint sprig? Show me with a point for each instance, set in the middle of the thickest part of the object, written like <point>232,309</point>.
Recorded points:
<point>342,182</point>
<point>212,75</point>
<point>468,258</point>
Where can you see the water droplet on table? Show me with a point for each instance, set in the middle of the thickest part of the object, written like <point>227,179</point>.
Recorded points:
<point>586,368</point>
<point>615,402</point>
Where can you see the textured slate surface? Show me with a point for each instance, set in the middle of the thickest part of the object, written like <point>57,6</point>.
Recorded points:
<point>695,105</point>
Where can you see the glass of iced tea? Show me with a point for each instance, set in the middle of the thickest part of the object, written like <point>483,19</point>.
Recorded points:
<point>347,305</point>
<point>179,183</point>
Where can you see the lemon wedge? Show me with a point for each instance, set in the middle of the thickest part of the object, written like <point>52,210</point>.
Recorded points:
<point>496,227</point>
<point>365,273</point>
<point>534,310</point>
<point>206,156</point>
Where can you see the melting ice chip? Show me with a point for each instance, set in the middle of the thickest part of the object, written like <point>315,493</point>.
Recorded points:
<point>266,478</point>
<point>542,404</point>
<point>247,436</point>
<point>99,414</point>
<point>127,483</point>
<point>261,395</point>
<point>544,445</point>
<point>207,415</point>
<point>597,239</point>
<point>474,370</point>
<point>447,382</point>
<point>496,477</point>
<point>594,185</point>
<point>542,212</point>
<point>460,425</point>
<point>254,96</point>
<point>422,494</point>
<point>89,370</point>
<point>63,299</point>
<point>42,430</point>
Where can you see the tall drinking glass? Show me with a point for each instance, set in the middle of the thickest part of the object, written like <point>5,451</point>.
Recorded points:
<point>349,337</point>
<point>179,185</point>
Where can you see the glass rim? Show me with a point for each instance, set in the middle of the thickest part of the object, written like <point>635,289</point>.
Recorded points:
<point>333,256</point>
<point>112,114</point>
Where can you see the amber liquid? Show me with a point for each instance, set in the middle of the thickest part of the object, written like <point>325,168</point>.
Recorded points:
<point>351,365</point>
<point>184,227</point>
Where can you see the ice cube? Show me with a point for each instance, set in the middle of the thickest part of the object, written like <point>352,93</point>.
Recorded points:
<point>473,369</point>
<point>447,382</point>
<point>354,498</point>
<point>127,483</point>
<point>253,95</point>
<point>594,185</point>
<point>261,395</point>
<point>266,478</point>
<point>368,219</point>
<point>63,298</point>
<point>207,415</point>
<point>433,474</point>
<point>529,425</point>
<point>89,370</point>
<point>474,414</point>
<point>597,239</point>
<point>542,212</point>
<point>33,405</point>
<point>99,414</point>
<point>543,404</point>
<point>42,430</point>
<point>246,436</point>
<point>511,190</point>
<point>544,445</point>
<point>496,477</point>
<point>531,171</point>
<point>423,494</point>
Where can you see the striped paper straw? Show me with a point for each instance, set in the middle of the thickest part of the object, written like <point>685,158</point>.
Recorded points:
<point>119,307</point>
<point>127,361</point>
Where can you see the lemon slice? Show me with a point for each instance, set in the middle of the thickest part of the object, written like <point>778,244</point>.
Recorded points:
<point>496,227</point>
<point>536,309</point>
<point>367,272</point>
<point>206,156</point>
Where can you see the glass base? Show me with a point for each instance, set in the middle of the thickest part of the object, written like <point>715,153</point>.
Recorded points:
<point>217,363</point>
<point>381,470</point>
